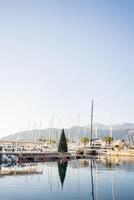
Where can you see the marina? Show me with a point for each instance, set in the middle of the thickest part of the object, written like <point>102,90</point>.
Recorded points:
<point>66,100</point>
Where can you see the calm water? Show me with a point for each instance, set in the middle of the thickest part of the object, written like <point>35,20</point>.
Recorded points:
<point>75,180</point>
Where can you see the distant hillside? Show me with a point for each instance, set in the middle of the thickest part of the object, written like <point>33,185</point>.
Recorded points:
<point>119,131</point>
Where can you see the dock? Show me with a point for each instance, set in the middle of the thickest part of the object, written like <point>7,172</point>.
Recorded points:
<point>47,156</point>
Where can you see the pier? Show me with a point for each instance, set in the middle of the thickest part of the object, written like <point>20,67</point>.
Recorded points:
<point>47,156</point>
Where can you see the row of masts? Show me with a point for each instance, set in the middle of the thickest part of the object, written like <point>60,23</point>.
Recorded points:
<point>54,134</point>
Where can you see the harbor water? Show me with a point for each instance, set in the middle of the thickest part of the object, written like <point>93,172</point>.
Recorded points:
<point>72,180</point>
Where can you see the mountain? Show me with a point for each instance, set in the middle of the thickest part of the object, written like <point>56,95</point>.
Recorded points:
<point>124,126</point>
<point>118,131</point>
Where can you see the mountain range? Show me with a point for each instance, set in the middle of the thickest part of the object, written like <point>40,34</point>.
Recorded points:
<point>118,131</point>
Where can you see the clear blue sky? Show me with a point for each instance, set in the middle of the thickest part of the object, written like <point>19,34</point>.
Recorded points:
<point>56,55</point>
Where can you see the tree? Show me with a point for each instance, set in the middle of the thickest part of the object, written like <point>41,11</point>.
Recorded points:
<point>42,140</point>
<point>1,148</point>
<point>108,139</point>
<point>84,140</point>
<point>1,156</point>
<point>62,148</point>
<point>51,141</point>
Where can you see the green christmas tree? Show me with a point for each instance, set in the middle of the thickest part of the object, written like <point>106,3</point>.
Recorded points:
<point>63,148</point>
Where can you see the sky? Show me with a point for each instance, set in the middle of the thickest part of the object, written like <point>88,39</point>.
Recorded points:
<point>58,55</point>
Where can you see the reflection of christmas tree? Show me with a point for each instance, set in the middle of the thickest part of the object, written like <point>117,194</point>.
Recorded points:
<point>62,167</point>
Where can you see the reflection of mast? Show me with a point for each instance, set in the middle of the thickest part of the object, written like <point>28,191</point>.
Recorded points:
<point>48,173</point>
<point>92,180</point>
<point>69,178</point>
<point>113,193</point>
<point>78,177</point>
<point>97,184</point>
<point>51,185</point>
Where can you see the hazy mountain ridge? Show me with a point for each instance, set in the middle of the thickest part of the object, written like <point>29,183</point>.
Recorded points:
<point>118,131</point>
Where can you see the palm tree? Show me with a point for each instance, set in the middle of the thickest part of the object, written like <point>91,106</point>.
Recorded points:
<point>51,141</point>
<point>108,139</point>
<point>84,140</point>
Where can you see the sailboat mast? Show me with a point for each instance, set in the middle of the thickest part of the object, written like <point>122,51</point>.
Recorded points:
<point>59,130</point>
<point>111,131</point>
<point>39,136</point>
<point>78,136</point>
<point>49,132</point>
<point>96,131</point>
<point>91,123</point>
<point>69,137</point>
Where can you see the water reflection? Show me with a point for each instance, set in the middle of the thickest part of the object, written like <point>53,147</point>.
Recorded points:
<point>62,168</point>
<point>92,180</point>
<point>73,180</point>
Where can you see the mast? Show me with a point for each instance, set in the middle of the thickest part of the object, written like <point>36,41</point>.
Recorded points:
<point>78,135</point>
<point>91,123</point>
<point>28,128</point>
<point>39,135</point>
<point>52,135</point>
<point>111,131</point>
<point>96,132</point>
<point>59,130</point>
<point>49,132</point>
<point>69,136</point>
<point>34,132</point>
